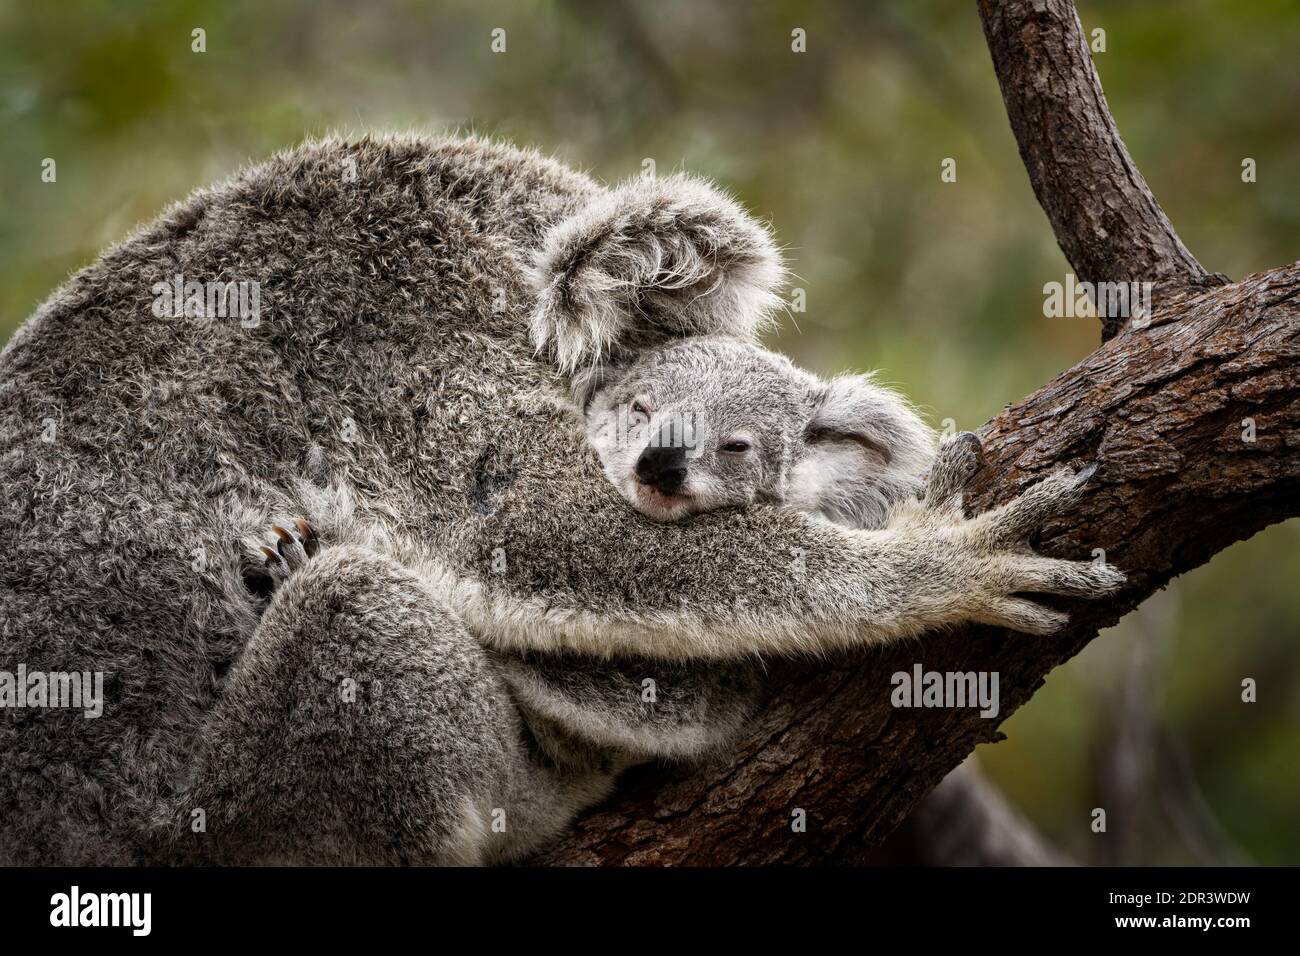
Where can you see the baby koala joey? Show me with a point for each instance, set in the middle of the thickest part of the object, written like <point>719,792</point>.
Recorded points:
<point>712,423</point>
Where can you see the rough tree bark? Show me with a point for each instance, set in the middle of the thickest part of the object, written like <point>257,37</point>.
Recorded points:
<point>1162,409</point>
<point>1106,220</point>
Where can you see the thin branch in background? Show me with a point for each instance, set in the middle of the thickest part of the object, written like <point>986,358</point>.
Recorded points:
<point>1126,765</point>
<point>1148,778</point>
<point>1105,217</point>
<point>1189,812</point>
<point>968,821</point>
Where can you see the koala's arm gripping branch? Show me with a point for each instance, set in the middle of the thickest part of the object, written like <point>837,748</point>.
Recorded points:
<point>724,587</point>
<point>1106,220</point>
<point>770,582</point>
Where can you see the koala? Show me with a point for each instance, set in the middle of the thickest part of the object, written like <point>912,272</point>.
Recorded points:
<point>710,423</point>
<point>439,656</point>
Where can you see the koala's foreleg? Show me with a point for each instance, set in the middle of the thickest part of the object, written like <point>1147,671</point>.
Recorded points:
<point>362,724</point>
<point>764,581</point>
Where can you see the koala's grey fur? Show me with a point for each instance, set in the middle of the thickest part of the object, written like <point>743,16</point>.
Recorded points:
<point>417,690</point>
<point>846,450</point>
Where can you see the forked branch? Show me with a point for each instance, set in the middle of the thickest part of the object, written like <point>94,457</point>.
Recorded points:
<point>1106,220</point>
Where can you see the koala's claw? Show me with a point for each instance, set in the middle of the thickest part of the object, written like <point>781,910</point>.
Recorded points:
<point>290,553</point>
<point>310,540</point>
<point>1036,574</point>
<point>1023,616</point>
<point>1008,526</point>
<point>1017,520</point>
<point>993,586</point>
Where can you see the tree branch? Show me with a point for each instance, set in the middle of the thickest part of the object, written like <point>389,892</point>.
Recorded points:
<point>1106,220</point>
<point>967,821</point>
<point>1194,421</point>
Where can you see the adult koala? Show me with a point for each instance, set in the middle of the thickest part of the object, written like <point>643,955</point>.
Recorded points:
<point>424,306</point>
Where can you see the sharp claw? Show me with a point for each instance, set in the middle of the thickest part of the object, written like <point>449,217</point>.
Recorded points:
<point>283,545</point>
<point>284,536</point>
<point>271,556</point>
<point>307,531</point>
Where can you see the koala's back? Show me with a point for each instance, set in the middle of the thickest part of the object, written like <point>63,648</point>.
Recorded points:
<point>387,284</point>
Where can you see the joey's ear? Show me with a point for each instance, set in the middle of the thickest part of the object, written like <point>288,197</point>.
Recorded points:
<point>854,408</point>
<point>651,260</point>
<point>865,449</point>
<point>585,382</point>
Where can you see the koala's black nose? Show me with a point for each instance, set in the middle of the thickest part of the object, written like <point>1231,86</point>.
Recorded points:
<point>663,467</point>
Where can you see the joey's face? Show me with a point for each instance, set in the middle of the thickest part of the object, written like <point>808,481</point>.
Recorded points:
<point>699,426</point>
<point>710,423</point>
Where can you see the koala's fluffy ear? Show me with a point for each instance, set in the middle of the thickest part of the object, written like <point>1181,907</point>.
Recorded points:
<point>865,449</point>
<point>587,381</point>
<point>648,261</point>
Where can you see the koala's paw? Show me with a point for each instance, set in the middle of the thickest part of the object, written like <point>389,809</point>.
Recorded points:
<point>954,464</point>
<point>290,553</point>
<point>987,558</point>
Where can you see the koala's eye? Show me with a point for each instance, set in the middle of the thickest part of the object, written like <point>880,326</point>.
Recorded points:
<point>737,446</point>
<point>639,408</point>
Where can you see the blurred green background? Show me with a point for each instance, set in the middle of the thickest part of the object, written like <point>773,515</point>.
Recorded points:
<point>938,284</point>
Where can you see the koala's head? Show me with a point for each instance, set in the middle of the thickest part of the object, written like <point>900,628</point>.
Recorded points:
<point>711,423</point>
